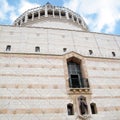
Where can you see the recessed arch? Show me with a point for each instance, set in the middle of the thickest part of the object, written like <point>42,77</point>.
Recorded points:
<point>30,16</point>
<point>36,15</point>
<point>42,13</point>
<point>50,12</point>
<point>74,72</point>
<point>83,107</point>
<point>70,109</point>
<point>81,77</point>
<point>63,14</point>
<point>93,108</point>
<point>56,12</point>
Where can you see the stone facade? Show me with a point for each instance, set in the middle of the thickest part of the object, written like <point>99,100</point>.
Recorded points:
<point>34,79</point>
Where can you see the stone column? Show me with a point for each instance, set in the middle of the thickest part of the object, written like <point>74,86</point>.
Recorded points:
<point>60,14</point>
<point>21,22</point>
<point>32,16</point>
<point>26,17</point>
<point>38,14</point>
<point>78,21</point>
<point>72,18</point>
<point>67,14</point>
<point>53,12</point>
<point>46,13</point>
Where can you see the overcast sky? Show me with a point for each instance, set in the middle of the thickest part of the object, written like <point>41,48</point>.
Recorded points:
<point>100,15</point>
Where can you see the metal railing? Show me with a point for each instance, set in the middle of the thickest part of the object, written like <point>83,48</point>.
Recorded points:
<point>83,83</point>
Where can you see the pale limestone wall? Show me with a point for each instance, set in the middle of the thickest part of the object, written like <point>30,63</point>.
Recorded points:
<point>33,86</point>
<point>55,23</point>
<point>52,41</point>
<point>104,78</point>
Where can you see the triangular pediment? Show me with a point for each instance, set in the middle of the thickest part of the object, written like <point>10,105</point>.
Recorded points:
<point>73,54</point>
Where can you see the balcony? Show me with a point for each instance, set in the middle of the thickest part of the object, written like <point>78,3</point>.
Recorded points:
<point>76,86</point>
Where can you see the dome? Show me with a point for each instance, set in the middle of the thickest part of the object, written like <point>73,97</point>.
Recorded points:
<point>51,17</point>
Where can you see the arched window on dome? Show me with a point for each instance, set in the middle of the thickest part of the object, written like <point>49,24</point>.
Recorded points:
<point>30,16</point>
<point>93,108</point>
<point>75,19</point>
<point>36,15</point>
<point>56,12</point>
<point>70,16</point>
<point>63,14</point>
<point>19,23</point>
<point>23,19</point>
<point>50,12</point>
<point>79,21</point>
<point>42,13</point>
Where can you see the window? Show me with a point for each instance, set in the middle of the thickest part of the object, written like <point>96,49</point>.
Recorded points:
<point>62,13</point>
<point>83,105</point>
<point>42,13</point>
<point>50,12</point>
<point>70,16</point>
<point>90,52</point>
<point>8,47</point>
<point>30,16</point>
<point>37,49</point>
<point>56,13</point>
<point>70,109</point>
<point>23,19</point>
<point>113,53</point>
<point>75,76</point>
<point>19,23</point>
<point>93,108</point>
<point>79,21</point>
<point>75,73</point>
<point>75,19</point>
<point>35,14</point>
<point>64,49</point>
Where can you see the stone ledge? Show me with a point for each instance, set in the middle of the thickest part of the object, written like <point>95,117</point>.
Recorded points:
<point>79,90</point>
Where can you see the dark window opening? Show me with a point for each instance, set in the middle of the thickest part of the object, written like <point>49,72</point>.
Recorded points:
<point>70,16</point>
<point>75,19</point>
<point>18,22</point>
<point>79,21</point>
<point>42,13</point>
<point>23,19</point>
<point>56,13</point>
<point>75,81</point>
<point>75,76</point>
<point>113,53</point>
<point>8,47</point>
<point>50,12</point>
<point>63,14</point>
<point>90,52</point>
<point>70,109</point>
<point>37,49</point>
<point>30,16</point>
<point>35,14</point>
<point>93,108</point>
<point>64,49</point>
